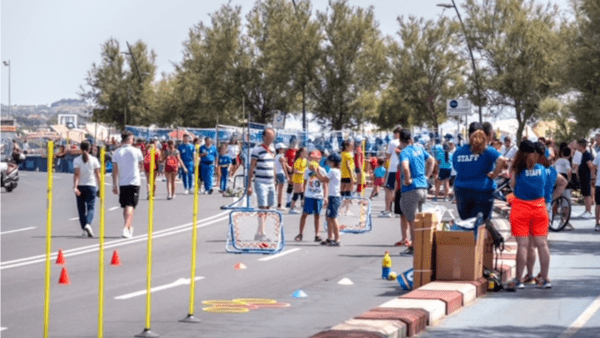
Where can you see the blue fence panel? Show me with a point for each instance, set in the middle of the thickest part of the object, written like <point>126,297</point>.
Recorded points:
<point>31,163</point>
<point>42,163</point>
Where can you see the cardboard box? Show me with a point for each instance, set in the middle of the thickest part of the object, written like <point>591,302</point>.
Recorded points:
<point>459,255</point>
<point>426,224</point>
<point>488,252</point>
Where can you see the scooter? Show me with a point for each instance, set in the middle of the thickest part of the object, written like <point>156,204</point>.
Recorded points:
<point>9,173</point>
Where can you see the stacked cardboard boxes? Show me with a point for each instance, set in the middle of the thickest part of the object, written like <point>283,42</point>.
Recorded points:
<point>459,255</point>
<point>426,226</point>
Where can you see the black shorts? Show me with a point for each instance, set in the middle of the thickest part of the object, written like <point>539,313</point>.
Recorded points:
<point>444,174</point>
<point>129,195</point>
<point>357,170</point>
<point>597,195</point>
<point>346,180</point>
<point>586,186</point>
<point>397,199</point>
<point>391,181</point>
<point>234,161</point>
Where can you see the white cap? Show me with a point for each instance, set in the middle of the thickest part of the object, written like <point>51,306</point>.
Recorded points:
<point>280,146</point>
<point>358,139</point>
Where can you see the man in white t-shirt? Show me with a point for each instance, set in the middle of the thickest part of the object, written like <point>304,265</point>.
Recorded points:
<point>128,161</point>
<point>391,155</point>
<point>597,197</point>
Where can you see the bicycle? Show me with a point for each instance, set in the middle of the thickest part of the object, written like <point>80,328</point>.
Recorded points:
<point>561,213</point>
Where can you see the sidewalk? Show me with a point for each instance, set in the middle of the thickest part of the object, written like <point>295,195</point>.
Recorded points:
<point>567,310</point>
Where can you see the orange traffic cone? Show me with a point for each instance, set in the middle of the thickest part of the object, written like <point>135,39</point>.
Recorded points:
<point>64,277</point>
<point>116,260</point>
<point>240,266</point>
<point>60,260</point>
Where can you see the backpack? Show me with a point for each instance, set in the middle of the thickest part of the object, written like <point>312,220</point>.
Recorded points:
<point>171,164</point>
<point>147,162</point>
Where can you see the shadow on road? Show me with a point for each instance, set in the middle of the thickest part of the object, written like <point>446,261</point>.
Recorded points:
<point>573,247</point>
<point>510,331</point>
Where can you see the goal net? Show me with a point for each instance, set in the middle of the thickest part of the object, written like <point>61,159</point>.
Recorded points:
<point>255,231</point>
<point>354,215</point>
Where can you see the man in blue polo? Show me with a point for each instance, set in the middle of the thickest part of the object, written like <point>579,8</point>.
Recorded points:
<point>208,154</point>
<point>188,157</point>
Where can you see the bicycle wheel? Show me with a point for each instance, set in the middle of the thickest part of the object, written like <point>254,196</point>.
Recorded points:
<point>561,213</point>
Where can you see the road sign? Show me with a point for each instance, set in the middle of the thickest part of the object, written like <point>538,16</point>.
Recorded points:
<point>458,107</point>
<point>279,120</point>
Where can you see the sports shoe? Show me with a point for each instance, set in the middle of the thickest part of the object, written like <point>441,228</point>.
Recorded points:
<point>529,280</point>
<point>84,234</point>
<point>210,192</point>
<point>260,237</point>
<point>126,233</point>
<point>386,215</point>
<point>512,285</point>
<point>88,230</point>
<point>408,252</point>
<point>294,212</point>
<point>435,199</point>
<point>569,227</point>
<point>544,284</point>
<point>186,192</point>
<point>288,205</point>
<point>520,286</point>
<point>130,232</point>
<point>597,227</point>
<point>586,215</point>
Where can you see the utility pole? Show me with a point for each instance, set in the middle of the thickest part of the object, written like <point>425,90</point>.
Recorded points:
<point>7,63</point>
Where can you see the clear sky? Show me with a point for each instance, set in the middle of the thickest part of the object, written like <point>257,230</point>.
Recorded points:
<point>52,44</point>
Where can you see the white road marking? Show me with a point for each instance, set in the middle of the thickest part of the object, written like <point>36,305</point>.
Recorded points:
<point>18,230</point>
<point>73,219</point>
<point>112,244</point>
<point>113,208</point>
<point>3,328</point>
<point>279,255</point>
<point>582,319</point>
<point>180,281</point>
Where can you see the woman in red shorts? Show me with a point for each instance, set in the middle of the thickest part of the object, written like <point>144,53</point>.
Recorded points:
<point>529,216</point>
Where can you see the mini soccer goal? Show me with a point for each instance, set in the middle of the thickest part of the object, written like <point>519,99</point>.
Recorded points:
<point>354,215</point>
<point>255,231</point>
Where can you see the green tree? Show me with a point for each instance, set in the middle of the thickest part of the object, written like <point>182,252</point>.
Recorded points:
<point>122,90</point>
<point>519,44</point>
<point>352,64</point>
<point>426,70</point>
<point>584,64</point>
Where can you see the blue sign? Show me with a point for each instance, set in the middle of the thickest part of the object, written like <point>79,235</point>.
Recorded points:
<point>453,104</point>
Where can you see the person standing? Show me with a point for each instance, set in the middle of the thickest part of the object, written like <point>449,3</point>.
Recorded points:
<point>85,184</point>
<point>378,178</point>
<point>474,184</point>
<point>233,150</point>
<point>333,179</point>
<point>282,175</point>
<point>172,160</point>
<point>315,194</point>
<point>584,168</point>
<point>529,216</point>
<point>290,155</point>
<point>208,154</point>
<point>359,162</point>
<point>262,168</point>
<point>444,160</point>
<point>416,165</point>
<point>393,159</point>
<point>147,161</point>
<point>597,193</point>
<point>298,178</point>
<point>188,156</point>
<point>127,163</point>
<point>224,162</point>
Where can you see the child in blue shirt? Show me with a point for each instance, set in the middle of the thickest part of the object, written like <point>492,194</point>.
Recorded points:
<point>224,162</point>
<point>379,179</point>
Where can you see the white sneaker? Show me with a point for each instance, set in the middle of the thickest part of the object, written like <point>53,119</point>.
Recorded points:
<point>386,214</point>
<point>84,234</point>
<point>88,230</point>
<point>126,233</point>
<point>186,192</point>
<point>130,232</point>
<point>294,212</point>
<point>586,215</point>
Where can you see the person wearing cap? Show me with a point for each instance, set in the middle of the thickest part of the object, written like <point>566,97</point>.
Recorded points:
<point>282,175</point>
<point>333,180</point>
<point>290,156</point>
<point>474,184</point>
<point>324,162</point>
<point>416,165</point>
<point>224,162</point>
<point>529,216</point>
<point>298,178</point>
<point>188,156</point>
<point>315,193</point>
<point>359,161</point>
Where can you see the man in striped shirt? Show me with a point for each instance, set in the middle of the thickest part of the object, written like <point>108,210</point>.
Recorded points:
<point>262,168</point>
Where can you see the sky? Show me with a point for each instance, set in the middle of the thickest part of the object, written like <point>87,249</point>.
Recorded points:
<point>52,45</point>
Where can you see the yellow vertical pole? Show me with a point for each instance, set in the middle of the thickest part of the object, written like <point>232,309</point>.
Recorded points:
<point>190,317</point>
<point>101,251</point>
<point>48,240</point>
<point>150,230</point>
<point>363,179</point>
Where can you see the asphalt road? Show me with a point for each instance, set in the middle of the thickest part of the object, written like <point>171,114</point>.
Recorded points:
<point>73,309</point>
<point>566,310</point>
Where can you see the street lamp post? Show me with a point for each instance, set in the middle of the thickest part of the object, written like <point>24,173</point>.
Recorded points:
<point>7,63</point>
<point>470,53</point>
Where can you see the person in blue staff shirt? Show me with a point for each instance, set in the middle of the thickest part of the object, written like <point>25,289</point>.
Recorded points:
<point>208,155</point>
<point>188,157</point>
<point>225,162</point>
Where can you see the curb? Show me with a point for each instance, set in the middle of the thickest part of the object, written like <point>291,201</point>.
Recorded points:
<point>411,313</point>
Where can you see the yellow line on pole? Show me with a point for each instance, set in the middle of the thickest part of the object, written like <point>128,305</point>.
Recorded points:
<point>150,225</point>
<point>101,251</point>
<point>48,240</point>
<point>363,179</point>
<point>194,238</point>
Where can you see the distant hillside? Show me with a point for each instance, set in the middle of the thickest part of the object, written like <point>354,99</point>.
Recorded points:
<point>68,102</point>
